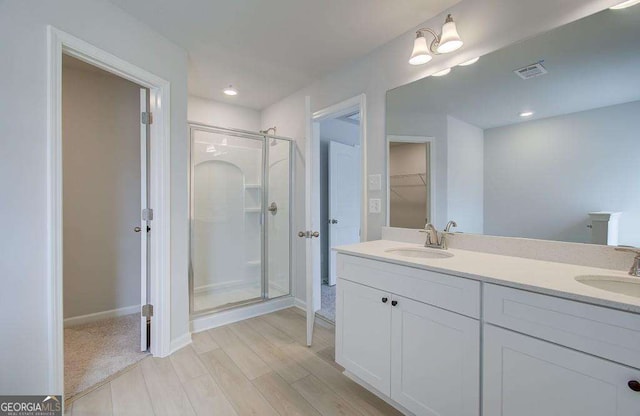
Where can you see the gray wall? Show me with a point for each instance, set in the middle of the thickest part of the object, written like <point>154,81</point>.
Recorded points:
<point>542,177</point>
<point>101,190</point>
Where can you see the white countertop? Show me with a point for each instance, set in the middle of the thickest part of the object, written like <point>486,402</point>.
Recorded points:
<point>557,279</point>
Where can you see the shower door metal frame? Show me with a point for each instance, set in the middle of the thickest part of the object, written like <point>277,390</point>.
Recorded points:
<point>264,264</point>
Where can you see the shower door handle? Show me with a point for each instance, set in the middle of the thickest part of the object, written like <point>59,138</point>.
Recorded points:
<point>273,208</point>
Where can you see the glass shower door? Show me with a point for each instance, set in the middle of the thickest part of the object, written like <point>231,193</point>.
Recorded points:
<point>226,227</point>
<point>278,218</point>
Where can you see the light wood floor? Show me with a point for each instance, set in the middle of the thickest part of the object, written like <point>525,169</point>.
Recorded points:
<point>255,367</point>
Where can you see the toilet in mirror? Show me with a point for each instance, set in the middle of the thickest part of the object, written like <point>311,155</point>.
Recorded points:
<point>540,139</point>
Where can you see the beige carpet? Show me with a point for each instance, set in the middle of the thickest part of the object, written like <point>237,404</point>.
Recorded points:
<point>95,351</point>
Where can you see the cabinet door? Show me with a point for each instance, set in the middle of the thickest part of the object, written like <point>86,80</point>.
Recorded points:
<point>435,360</point>
<point>524,376</point>
<point>364,323</point>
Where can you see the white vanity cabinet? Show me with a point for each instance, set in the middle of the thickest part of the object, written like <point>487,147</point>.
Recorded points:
<point>366,321</point>
<point>525,376</point>
<point>435,360</point>
<point>418,337</point>
<point>555,357</point>
<point>423,357</point>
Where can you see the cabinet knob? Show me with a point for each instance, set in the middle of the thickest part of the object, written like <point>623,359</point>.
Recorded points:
<point>634,385</point>
<point>394,302</point>
<point>384,300</point>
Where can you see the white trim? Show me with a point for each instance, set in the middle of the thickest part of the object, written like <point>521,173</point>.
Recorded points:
<point>432,171</point>
<point>230,316</point>
<point>359,102</point>
<point>180,342</point>
<point>59,43</point>
<point>300,304</point>
<point>98,316</point>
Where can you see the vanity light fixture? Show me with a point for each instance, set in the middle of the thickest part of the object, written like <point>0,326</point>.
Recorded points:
<point>470,61</point>
<point>446,42</point>
<point>526,114</point>
<point>441,73</point>
<point>625,4</point>
<point>230,91</point>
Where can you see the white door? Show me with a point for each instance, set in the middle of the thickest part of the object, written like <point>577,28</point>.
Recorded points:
<point>435,360</point>
<point>312,219</point>
<point>344,199</point>
<point>364,325</point>
<point>524,376</point>
<point>144,223</point>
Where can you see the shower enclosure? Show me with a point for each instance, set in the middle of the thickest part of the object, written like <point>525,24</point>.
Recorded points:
<point>240,210</point>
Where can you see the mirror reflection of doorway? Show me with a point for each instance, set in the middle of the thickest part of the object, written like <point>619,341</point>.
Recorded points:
<point>409,184</point>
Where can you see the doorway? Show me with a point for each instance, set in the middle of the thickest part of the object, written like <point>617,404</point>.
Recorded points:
<point>105,238</point>
<point>349,194</point>
<point>340,204</point>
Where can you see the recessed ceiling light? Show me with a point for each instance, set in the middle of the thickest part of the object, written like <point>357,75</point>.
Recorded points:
<point>624,4</point>
<point>526,114</point>
<point>230,90</point>
<point>441,73</point>
<point>470,61</point>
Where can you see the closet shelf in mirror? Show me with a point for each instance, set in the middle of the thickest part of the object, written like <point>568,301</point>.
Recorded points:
<point>253,263</point>
<point>411,179</point>
<point>253,209</point>
<point>252,186</point>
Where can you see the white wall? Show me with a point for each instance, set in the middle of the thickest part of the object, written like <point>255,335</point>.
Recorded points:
<point>486,25</point>
<point>341,132</point>
<point>219,114</point>
<point>101,190</point>
<point>553,171</point>
<point>24,308</point>
<point>465,184</point>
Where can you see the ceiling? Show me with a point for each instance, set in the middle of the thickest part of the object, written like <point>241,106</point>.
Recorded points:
<point>592,63</point>
<point>269,49</point>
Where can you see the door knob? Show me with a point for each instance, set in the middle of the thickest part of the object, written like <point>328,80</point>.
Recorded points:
<point>137,229</point>
<point>302,234</point>
<point>315,234</point>
<point>333,221</point>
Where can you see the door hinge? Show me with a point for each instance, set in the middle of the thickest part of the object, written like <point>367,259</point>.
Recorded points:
<point>147,310</point>
<point>147,214</point>
<point>147,118</point>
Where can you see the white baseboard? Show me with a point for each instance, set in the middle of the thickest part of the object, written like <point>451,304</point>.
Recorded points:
<point>92,317</point>
<point>202,323</point>
<point>180,342</point>
<point>300,304</point>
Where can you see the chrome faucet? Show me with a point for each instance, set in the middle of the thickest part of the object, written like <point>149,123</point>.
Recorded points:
<point>635,267</point>
<point>433,239</point>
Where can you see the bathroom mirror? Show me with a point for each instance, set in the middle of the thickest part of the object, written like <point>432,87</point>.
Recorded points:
<point>540,139</point>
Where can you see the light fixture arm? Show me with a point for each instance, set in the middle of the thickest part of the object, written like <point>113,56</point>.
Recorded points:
<point>436,38</point>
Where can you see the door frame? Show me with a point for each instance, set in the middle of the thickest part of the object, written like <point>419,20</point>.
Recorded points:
<point>432,171</point>
<point>313,251</point>
<point>60,43</point>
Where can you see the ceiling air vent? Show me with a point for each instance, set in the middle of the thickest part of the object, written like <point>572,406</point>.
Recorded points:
<point>531,71</point>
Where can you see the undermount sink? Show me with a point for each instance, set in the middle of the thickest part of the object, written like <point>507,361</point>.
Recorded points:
<point>629,286</point>
<point>421,253</point>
